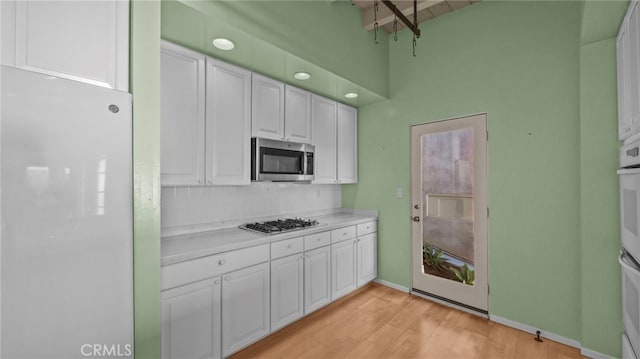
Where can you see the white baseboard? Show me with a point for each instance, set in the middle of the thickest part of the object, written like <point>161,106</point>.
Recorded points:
<point>551,336</point>
<point>593,354</point>
<point>391,285</point>
<point>529,329</point>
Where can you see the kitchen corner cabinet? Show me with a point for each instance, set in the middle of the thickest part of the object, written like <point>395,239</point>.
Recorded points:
<point>347,120</point>
<point>267,108</point>
<point>245,300</point>
<point>191,316</point>
<point>324,138</point>
<point>182,115</point>
<point>85,41</point>
<point>628,61</point>
<point>228,124</point>
<point>367,268</point>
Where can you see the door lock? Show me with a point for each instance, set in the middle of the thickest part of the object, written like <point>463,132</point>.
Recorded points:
<point>416,218</point>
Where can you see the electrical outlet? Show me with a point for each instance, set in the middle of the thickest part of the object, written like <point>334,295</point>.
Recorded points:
<point>399,192</point>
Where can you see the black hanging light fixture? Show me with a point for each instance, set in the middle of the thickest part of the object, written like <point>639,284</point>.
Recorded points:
<point>413,26</point>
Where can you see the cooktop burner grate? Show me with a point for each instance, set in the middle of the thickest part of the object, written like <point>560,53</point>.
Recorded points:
<point>280,225</point>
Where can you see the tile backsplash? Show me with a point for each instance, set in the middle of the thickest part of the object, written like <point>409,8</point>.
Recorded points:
<point>190,206</point>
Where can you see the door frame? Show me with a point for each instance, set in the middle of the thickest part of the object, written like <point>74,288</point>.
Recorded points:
<point>431,296</point>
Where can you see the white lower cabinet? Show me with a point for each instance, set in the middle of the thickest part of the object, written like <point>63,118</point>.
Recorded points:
<point>343,268</point>
<point>245,307</point>
<point>287,288</point>
<point>367,261</point>
<point>216,305</point>
<point>317,279</point>
<point>191,321</point>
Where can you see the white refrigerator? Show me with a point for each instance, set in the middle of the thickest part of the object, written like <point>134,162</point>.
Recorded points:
<point>66,241</point>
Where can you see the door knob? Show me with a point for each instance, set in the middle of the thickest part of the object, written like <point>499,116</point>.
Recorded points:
<point>415,218</point>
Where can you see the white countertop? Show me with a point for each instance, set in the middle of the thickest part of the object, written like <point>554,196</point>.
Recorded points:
<point>184,247</point>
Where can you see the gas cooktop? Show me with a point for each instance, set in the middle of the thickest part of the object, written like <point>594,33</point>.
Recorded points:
<point>280,225</point>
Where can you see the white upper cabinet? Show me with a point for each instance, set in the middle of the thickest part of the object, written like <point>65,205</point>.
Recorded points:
<point>84,41</point>
<point>228,124</point>
<point>335,135</point>
<point>628,59</point>
<point>182,113</point>
<point>297,115</point>
<point>267,117</point>
<point>324,138</point>
<point>347,154</point>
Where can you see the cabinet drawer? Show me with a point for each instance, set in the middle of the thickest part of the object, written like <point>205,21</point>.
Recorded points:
<point>286,247</point>
<point>317,240</point>
<point>201,268</point>
<point>341,234</point>
<point>366,228</point>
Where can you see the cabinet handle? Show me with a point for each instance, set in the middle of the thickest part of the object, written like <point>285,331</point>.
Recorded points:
<point>227,278</point>
<point>288,245</point>
<point>222,262</point>
<point>209,181</point>
<point>216,282</point>
<point>318,239</point>
<point>199,181</point>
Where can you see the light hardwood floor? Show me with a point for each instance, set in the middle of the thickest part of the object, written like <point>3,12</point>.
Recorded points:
<point>380,322</point>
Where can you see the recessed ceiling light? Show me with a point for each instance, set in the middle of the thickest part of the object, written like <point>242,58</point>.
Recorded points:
<point>302,75</point>
<point>223,44</point>
<point>351,95</point>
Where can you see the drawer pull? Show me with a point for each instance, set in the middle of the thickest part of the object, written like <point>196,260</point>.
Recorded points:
<point>227,278</point>
<point>216,282</point>
<point>222,262</point>
<point>288,245</point>
<point>318,239</point>
<point>344,234</point>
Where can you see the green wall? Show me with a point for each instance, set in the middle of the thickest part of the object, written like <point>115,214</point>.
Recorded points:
<point>599,204</point>
<point>547,83</point>
<point>519,62</point>
<point>145,87</point>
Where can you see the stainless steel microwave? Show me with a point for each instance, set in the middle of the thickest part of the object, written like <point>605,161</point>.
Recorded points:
<point>280,161</point>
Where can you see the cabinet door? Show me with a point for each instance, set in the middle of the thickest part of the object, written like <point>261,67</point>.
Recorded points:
<point>182,113</point>
<point>633,97</point>
<point>228,124</point>
<point>367,261</point>
<point>297,115</point>
<point>343,268</point>
<point>347,144</point>
<point>317,279</point>
<point>622,47</point>
<point>287,281</point>
<point>245,307</point>
<point>191,321</point>
<point>267,109</point>
<point>323,135</point>
<point>84,41</point>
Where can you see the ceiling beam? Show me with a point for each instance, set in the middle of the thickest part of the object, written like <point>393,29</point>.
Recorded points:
<point>385,16</point>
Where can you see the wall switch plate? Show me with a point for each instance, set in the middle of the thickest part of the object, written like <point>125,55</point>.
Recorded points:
<point>399,192</point>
